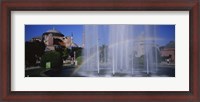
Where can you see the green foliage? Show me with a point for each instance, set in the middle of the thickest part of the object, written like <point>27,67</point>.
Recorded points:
<point>54,58</point>
<point>78,51</point>
<point>79,60</point>
<point>59,49</point>
<point>65,53</point>
<point>33,51</point>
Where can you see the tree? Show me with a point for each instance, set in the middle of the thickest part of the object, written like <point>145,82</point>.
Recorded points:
<point>33,51</point>
<point>66,53</point>
<point>55,59</point>
<point>78,51</point>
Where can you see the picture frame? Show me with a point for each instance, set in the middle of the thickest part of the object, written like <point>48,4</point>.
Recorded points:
<point>192,6</point>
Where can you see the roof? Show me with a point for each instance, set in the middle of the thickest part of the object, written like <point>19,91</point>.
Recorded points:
<point>53,32</point>
<point>171,44</point>
<point>74,44</point>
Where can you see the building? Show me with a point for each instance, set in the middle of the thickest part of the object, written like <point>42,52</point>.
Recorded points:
<point>53,38</point>
<point>68,41</point>
<point>168,52</point>
<point>143,45</point>
<point>36,39</point>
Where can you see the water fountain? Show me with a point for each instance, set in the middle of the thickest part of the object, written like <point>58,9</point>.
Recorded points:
<point>120,58</point>
<point>121,48</point>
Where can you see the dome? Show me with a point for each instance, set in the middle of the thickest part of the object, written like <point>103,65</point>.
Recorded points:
<point>53,32</point>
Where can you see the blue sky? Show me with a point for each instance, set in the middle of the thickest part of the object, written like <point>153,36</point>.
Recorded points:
<point>37,30</point>
<point>165,33</point>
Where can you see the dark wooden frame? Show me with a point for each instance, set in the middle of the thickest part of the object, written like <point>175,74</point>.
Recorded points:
<point>99,5</point>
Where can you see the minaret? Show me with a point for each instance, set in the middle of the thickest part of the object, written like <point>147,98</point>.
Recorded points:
<point>71,38</point>
<point>83,40</point>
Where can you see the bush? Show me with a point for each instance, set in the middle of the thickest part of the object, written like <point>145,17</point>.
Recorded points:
<point>79,60</point>
<point>54,58</point>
